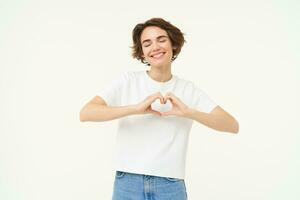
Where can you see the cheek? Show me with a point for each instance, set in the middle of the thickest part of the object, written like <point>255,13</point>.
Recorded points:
<point>145,52</point>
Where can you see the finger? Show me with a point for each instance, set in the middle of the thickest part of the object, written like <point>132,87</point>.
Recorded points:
<point>175,100</point>
<point>171,98</point>
<point>154,112</point>
<point>161,99</point>
<point>153,98</point>
<point>159,96</point>
<point>166,98</point>
<point>172,95</point>
<point>167,113</point>
<point>169,94</point>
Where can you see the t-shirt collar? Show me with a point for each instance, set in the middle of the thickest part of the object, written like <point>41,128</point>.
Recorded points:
<point>160,84</point>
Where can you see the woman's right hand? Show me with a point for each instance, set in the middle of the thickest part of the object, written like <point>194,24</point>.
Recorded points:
<point>144,107</point>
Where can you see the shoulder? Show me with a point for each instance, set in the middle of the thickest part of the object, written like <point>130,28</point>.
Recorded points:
<point>187,84</point>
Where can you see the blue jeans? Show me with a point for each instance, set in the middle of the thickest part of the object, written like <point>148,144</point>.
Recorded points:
<point>130,186</point>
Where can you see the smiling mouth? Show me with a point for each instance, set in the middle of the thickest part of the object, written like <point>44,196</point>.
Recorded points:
<point>159,55</point>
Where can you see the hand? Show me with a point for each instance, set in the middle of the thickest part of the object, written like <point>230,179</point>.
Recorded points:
<point>144,107</point>
<point>178,107</point>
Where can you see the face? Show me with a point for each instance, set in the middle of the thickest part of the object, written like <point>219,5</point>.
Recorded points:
<point>157,47</point>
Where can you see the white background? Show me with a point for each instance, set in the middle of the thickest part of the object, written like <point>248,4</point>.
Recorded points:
<point>56,55</point>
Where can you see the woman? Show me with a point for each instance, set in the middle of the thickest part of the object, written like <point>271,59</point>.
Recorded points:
<point>157,110</point>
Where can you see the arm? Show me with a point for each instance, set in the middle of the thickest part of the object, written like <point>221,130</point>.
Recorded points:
<point>97,110</point>
<point>217,119</point>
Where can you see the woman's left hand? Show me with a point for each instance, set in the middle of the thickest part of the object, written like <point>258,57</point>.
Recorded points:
<point>178,107</point>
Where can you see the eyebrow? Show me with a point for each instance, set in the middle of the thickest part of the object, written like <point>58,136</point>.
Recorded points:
<point>161,36</point>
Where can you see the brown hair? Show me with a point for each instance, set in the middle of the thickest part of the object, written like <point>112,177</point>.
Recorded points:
<point>174,33</point>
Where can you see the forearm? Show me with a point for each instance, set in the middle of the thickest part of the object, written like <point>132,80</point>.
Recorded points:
<point>97,113</point>
<point>217,122</point>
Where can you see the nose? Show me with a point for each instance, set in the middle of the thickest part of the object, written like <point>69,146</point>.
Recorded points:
<point>156,46</point>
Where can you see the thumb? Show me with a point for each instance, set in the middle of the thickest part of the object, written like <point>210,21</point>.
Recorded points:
<point>166,113</point>
<point>154,112</point>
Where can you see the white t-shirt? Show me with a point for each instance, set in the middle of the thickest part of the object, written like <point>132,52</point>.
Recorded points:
<point>150,144</point>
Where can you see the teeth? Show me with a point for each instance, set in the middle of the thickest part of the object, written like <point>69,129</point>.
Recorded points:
<point>157,55</point>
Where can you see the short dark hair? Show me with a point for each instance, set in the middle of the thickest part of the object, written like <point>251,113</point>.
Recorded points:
<point>174,33</point>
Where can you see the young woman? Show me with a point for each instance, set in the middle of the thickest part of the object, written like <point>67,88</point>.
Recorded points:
<point>157,110</point>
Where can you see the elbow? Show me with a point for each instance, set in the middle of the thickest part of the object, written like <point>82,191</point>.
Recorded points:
<point>82,116</point>
<point>236,127</point>
<point>82,119</point>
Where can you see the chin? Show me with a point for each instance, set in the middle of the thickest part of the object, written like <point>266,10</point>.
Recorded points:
<point>159,63</point>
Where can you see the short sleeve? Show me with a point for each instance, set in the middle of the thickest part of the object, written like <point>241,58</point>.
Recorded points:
<point>111,93</point>
<point>204,103</point>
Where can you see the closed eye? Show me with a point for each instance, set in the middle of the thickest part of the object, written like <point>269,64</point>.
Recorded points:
<point>159,41</point>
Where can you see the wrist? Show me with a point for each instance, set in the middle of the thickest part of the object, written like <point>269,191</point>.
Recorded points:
<point>189,113</point>
<point>132,109</point>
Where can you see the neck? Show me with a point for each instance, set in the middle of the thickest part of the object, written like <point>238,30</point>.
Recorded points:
<point>160,74</point>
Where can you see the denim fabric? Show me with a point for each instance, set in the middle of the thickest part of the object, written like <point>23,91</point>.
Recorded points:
<point>130,186</point>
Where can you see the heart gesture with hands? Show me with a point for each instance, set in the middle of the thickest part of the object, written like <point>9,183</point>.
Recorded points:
<point>178,107</point>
